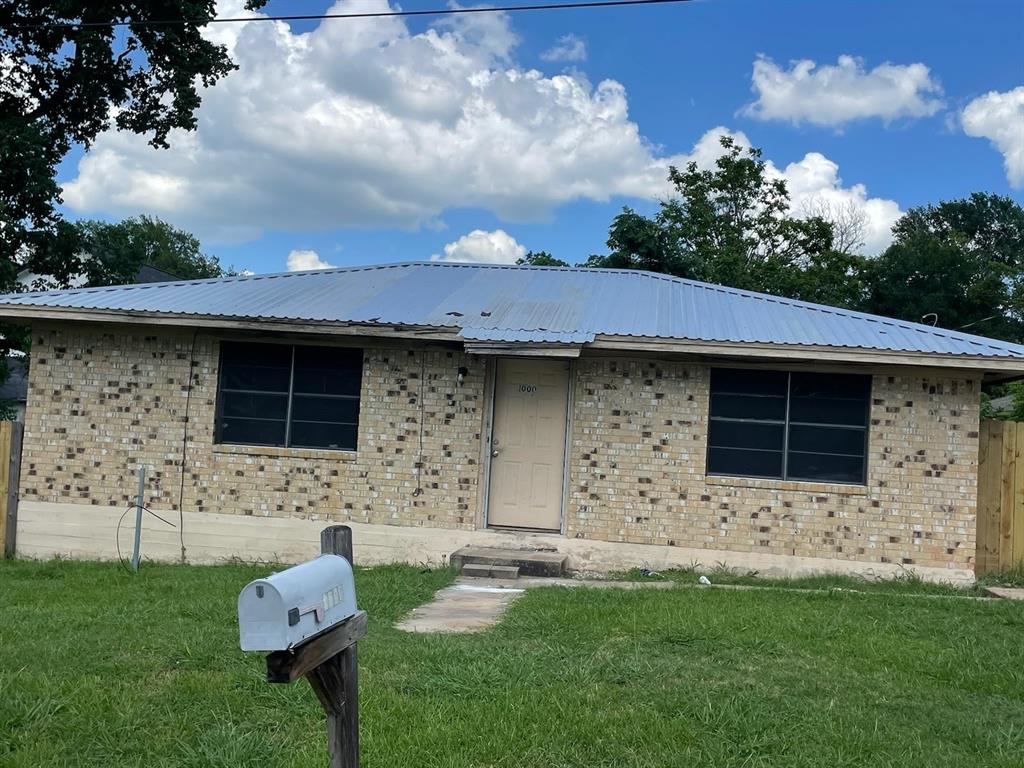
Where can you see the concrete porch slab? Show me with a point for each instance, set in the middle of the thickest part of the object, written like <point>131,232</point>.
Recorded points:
<point>530,562</point>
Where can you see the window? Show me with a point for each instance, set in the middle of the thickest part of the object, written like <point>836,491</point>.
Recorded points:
<point>790,426</point>
<point>297,397</point>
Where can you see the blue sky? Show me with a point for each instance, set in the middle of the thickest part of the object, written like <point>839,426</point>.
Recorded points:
<point>298,157</point>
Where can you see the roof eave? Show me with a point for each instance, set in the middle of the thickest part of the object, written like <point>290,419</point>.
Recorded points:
<point>26,314</point>
<point>1003,366</point>
<point>993,366</point>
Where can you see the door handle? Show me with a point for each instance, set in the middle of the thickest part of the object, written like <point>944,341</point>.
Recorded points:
<point>494,453</point>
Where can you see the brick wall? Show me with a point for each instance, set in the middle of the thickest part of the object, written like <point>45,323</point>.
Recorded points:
<point>100,403</point>
<point>638,457</point>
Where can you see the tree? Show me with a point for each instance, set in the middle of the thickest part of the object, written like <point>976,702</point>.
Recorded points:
<point>848,220</point>
<point>111,254</point>
<point>540,259</point>
<point>731,225</point>
<point>68,74</point>
<point>958,265</point>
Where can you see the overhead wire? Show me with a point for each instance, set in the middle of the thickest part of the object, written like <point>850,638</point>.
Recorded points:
<point>352,15</point>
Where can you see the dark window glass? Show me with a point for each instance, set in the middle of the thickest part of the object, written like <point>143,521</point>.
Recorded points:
<point>274,394</point>
<point>828,410</point>
<point>803,426</point>
<point>731,406</point>
<point>308,434</point>
<point>254,404</point>
<point>731,461</point>
<point>742,382</point>
<point>831,385</point>
<point>823,467</point>
<point>738,434</point>
<point>826,440</point>
<point>321,371</point>
<point>252,431</point>
<point>331,409</point>
<point>258,367</point>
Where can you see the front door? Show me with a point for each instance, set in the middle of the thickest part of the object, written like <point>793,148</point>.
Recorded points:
<point>531,398</point>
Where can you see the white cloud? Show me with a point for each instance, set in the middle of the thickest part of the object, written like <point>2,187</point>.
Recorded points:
<point>999,117</point>
<point>566,48</point>
<point>497,247</point>
<point>836,94</point>
<point>814,186</point>
<point>300,261</point>
<point>366,124</point>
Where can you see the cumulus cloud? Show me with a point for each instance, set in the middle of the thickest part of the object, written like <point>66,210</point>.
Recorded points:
<point>301,260</point>
<point>367,124</point>
<point>999,117</point>
<point>832,95</point>
<point>816,188</point>
<point>497,247</point>
<point>566,48</point>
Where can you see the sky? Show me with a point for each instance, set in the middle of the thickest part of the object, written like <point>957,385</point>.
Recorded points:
<point>481,136</point>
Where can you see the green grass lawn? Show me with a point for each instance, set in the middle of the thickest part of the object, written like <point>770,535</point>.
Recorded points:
<point>101,668</point>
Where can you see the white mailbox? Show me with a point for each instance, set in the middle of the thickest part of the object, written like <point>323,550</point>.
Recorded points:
<point>287,608</point>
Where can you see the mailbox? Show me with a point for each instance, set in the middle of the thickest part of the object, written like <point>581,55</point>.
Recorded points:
<point>288,608</point>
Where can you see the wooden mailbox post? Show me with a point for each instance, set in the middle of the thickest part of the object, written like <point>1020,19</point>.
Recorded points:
<point>329,662</point>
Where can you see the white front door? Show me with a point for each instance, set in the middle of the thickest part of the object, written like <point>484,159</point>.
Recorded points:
<point>531,399</point>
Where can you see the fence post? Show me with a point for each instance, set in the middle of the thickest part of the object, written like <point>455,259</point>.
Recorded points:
<point>10,466</point>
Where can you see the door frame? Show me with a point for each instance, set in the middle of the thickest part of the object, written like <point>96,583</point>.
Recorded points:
<point>490,382</point>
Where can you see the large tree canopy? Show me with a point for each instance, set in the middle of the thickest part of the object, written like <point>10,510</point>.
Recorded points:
<point>66,74</point>
<point>732,225</point>
<point>958,265</point>
<point>111,254</point>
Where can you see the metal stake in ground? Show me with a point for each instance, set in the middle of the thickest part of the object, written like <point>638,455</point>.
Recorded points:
<point>287,610</point>
<point>140,504</point>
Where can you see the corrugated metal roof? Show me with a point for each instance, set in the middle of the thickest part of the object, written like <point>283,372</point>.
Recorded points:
<point>524,304</point>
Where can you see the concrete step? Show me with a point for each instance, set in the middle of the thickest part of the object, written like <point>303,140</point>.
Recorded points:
<point>528,562</point>
<point>485,571</point>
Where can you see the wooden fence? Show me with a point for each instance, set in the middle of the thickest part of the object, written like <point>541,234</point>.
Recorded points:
<point>1000,496</point>
<point>10,465</point>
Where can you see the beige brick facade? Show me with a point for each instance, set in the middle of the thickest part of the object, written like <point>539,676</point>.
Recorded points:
<point>103,401</point>
<point>637,473</point>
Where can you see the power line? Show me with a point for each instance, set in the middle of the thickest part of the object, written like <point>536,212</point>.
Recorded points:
<point>363,15</point>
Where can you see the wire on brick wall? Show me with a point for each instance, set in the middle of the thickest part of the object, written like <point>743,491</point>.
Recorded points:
<point>184,444</point>
<point>419,457</point>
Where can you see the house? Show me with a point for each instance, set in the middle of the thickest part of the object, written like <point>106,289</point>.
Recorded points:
<point>621,417</point>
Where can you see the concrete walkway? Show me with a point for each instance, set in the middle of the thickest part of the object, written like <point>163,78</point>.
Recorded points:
<point>461,607</point>
<point>473,604</point>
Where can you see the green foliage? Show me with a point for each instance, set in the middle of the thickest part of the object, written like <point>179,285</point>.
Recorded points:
<point>111,254</point>
<point>64,83</point>
<point>987,409</point>
<point>732,225</point>
<point>959,264</point>
<point>99,667</point>
<point>540,259</point>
